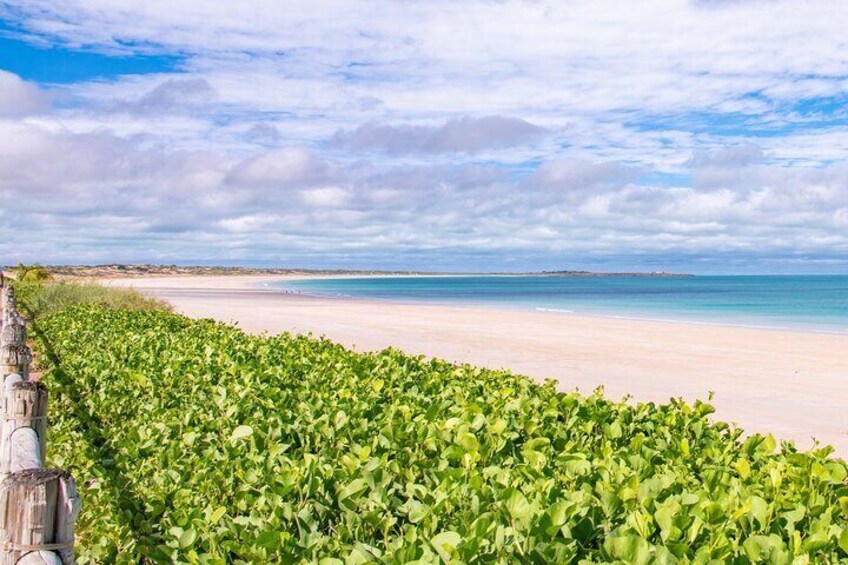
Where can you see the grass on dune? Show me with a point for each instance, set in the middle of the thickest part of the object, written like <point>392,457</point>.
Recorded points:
<point>43,298</point>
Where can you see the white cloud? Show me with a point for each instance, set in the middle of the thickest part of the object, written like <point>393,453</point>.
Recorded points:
<point>18,97</point>
<point>285,166</point>
<point>569,173</point>
<point>456,135</point>
<point>172,95</point>
<point>729,157</point>
<point>325,197</point>
<point>480,56</point>
<point>99,188</point>
<point>502,129</point>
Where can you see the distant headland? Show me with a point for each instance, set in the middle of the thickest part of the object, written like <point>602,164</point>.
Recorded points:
<point>625,274</point>
<point>125,270</point>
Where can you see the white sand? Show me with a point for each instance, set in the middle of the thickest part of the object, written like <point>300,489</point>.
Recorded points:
<point>791,383</point>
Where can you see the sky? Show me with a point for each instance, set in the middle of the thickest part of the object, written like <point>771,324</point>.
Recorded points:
<point>706,136</point>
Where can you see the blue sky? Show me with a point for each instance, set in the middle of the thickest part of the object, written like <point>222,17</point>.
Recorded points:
<point>607,135</point>
<point>42,61</point>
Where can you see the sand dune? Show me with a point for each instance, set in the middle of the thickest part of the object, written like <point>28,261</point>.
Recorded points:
<point>794,384</point>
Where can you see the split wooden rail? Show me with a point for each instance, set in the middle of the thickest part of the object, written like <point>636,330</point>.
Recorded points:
<point>38,506</point>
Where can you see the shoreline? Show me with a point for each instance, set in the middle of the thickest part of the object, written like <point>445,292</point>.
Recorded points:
<point>608,315</point>
<point>788,382</point>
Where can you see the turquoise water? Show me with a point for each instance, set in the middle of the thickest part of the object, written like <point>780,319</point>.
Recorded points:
<point>817,303</point>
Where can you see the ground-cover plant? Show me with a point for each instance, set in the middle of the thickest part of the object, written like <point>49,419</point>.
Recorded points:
<point>46,296</point>
<point>195,443</point>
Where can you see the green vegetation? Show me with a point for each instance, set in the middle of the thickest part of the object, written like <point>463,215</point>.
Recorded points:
<point>31,273</point>
<point>41,297</point>
<point>195,443</point>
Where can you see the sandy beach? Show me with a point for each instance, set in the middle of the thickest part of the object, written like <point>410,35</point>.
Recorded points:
<point>791,383</point>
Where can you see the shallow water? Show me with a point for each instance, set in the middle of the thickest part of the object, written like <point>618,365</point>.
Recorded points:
<point>818,303</point>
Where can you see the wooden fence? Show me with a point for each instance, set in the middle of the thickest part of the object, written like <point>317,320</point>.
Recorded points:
<point>38,506</point>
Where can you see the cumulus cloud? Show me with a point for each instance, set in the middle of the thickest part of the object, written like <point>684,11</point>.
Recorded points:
<point>575,174</point>
<point>740,156</point>
<point>584,55</point>
<point>457,135</point>
<point>283,167</point>
<point>511,131</point>
<point>135,196</point>
<point>170,95</point>
<point>18,97</point>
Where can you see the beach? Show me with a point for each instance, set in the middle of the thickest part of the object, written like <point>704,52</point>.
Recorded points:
<point>793,384</point>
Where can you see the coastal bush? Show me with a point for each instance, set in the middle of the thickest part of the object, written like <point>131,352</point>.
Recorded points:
<point>32,273</point>
<point>195,443</point>
<point>42,297</point>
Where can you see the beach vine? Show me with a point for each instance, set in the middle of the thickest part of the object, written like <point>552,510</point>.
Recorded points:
<point>193,442</point>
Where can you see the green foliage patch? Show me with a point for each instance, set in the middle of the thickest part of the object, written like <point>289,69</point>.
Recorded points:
<point>195,443</point>
<point>47,296</point>
<point>32,273</point>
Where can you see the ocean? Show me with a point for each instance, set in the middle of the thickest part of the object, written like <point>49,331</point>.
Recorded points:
<point>816,303</point>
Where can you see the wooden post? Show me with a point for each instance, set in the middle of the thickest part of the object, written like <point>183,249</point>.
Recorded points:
<point>23,443</point>
<point>9,305</point>
<point>38,510</point>
<point>11,379</point>
<point>13,333</point>
<point>15,359</point>
<point>38,507</point>
<point>7,295</point>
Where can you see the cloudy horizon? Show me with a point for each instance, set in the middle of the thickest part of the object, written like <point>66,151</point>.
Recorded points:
<point>706,136</point>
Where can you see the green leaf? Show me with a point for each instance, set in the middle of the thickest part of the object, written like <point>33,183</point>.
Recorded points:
<point>559,512</point>
<point>468,441</point>
<point>417,512</point>
<point>216,514</point>
<point>613,430</point>
<point>629,548</point>
<point>241,432</point>
<point>743,468</point>
<point>187,538</point>
<point>517,505</point>
<point>768,445</point>
<point>353,489</point>
<point>759,510</point>
<point>843,540</point>
<point>269,540</point>
<point>445,544</point>
<point>684,447</point>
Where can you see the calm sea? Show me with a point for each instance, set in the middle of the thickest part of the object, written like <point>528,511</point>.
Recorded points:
<point>817,303</point>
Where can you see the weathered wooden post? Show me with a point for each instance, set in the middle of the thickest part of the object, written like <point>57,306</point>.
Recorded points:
<point>15,359</point>
<point>38,510</point>
<point>23,443</point>
<point>38,507</point>
<point>7,303</point>
<point>14,354</point>
<point>11,378</point>
<point>14,332</point>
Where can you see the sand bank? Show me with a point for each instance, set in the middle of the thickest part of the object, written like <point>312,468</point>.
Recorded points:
<point>791,383</point>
